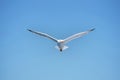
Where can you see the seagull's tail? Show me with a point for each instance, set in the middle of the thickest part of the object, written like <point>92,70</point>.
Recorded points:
<point>65,47</point>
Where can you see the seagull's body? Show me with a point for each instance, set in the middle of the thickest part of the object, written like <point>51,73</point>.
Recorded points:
<point>61,43</point>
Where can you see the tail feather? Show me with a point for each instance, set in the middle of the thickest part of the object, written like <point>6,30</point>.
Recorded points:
<point>65,47</point>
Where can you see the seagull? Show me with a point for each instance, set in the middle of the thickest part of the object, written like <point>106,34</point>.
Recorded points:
<point>61,42</point>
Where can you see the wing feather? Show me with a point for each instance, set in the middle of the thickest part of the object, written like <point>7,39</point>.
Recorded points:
<point>43,34</point>
<point>77,35</point>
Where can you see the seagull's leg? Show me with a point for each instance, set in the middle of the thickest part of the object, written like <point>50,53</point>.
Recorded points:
<point>60,50</point>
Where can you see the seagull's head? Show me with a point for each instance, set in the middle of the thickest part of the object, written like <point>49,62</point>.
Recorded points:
<point>60,41</point>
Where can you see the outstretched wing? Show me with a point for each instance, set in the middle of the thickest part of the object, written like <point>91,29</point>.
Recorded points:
<point>77,35</point>
<point>43,34</point>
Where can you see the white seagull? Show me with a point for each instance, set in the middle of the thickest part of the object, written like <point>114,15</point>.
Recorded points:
<point>61,42</point>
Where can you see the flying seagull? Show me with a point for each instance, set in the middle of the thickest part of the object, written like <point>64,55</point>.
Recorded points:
<point>61,42</point>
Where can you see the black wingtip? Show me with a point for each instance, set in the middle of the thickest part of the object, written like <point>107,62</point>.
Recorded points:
<point>29,30</point>
<point>92,29</point>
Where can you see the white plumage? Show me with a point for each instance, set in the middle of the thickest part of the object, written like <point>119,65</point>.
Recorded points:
<point>61,43</point>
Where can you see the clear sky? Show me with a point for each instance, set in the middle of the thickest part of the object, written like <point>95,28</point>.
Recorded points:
<point>26,56</point>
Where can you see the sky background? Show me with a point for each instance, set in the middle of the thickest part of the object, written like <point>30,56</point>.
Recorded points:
<point>26,56</point>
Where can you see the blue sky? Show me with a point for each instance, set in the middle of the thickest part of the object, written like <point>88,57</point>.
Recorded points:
<point>26,56</point>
